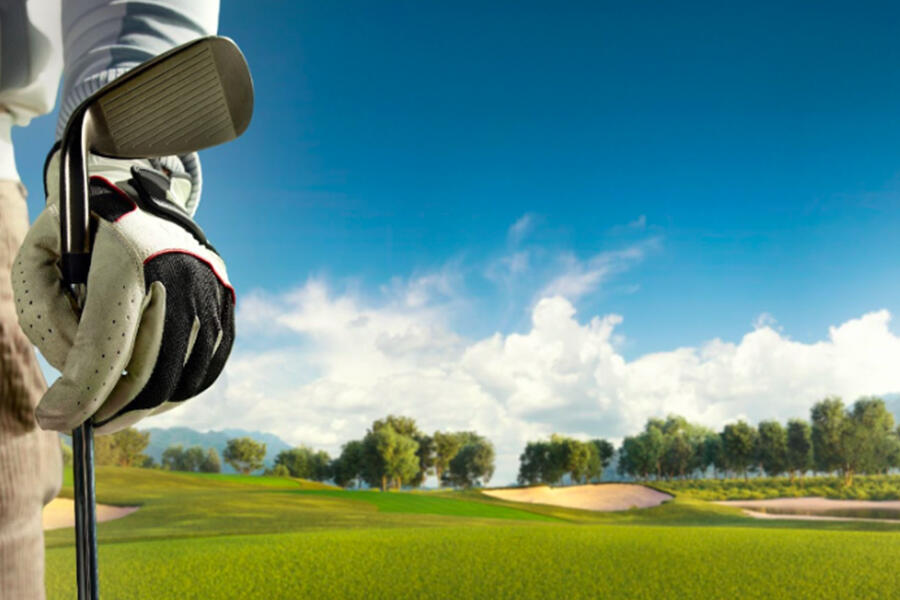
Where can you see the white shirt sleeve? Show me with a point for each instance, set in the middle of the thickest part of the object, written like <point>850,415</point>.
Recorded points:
<point>102,39</point>
<point>99,40</point>
<point>30,66</point>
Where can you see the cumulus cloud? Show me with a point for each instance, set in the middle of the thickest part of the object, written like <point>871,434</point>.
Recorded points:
<point>337,361</point>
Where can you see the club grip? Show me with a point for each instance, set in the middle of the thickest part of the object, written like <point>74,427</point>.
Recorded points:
<point>74,267</point>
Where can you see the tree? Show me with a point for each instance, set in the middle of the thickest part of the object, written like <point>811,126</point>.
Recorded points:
<point>533,462</point>
<point>714,453</point>
<point>739,445</point>
<point>426,456</point>
<point>244,454</point>
<point>868,442</point>
<point>279,471</point>
<point>385,460</point>
<point>474,463</point>
<point>402,425</point>
<point>653,445</point>
<point>176,458</point>
<point>211,462</point>
<point>173,458</point>
<point>576,457</point>
<point>637,456</point>
<point>123,448</point>
<point>130,445</point>
<point>346,469</point>
<point>389,457</point>
<point>446,445</point>
<point>298,461</point>
<point>193,459</point>
<point>772,448</point>
<point>799,447</point>
<point>827,419</point>
<point>601,453</point>
<point>321,466</point>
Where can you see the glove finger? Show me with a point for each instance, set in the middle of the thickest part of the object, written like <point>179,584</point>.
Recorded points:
<point>167,370</point>
<point>147,345</point>
<point>104,339</point>
<point>223,347</point>
<point>200,370</point>
<point>45,312</point>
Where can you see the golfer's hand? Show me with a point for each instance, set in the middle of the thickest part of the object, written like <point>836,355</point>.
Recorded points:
<point>158,319</point>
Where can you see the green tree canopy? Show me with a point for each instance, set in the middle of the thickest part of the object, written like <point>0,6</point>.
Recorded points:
<point>123,448</point>
<point>389,457</point>
<point>739,445</point>
<point>244,454</point>
<point>211,463</point>
<point>772,448</point>
<point>474,463</point>
<point>868,443</point>
<point>347,468</point>
<point>827,419</point>
<point>799,455</point>
<point>601,452</point>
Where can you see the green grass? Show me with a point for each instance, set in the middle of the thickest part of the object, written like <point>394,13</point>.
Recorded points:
<point>511,562</point>
<point>431,504</point>
<point>868,487</point>
<point>209,536</point>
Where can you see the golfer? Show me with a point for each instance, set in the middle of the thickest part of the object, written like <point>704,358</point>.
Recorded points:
<point>158,321</point>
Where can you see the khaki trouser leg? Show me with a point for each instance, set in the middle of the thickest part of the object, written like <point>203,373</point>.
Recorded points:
<point>30,459</point>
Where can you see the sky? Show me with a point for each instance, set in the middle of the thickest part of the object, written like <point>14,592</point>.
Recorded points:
<point>526,218</point>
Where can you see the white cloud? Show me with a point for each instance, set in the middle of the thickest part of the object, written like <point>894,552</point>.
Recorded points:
<point>521,228</point>
<point>576,278</point>
<point>639,223</point>
<point>339,362</point>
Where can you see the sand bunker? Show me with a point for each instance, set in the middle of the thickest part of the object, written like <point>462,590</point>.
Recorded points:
<point>813,505</point>
<point>603,496</point>
<point>61,513</point>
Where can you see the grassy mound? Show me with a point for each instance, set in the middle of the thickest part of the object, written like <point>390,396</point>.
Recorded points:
<point>213,536</point>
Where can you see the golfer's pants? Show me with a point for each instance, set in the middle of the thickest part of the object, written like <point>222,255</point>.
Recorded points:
<point>30,459</point>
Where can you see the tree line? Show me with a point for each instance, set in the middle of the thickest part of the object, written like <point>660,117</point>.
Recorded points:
<point>395,453</point>
<point>860,439</point>
<point>549,461</point>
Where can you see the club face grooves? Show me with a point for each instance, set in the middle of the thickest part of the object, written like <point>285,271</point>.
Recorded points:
<point>197,96</point>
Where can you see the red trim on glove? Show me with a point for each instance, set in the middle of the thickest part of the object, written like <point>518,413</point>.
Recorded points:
<point>201,259</point>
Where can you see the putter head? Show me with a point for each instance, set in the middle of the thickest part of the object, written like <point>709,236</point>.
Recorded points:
<point>192,97</point>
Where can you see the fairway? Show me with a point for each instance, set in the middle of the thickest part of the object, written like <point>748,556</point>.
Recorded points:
<point>249,537</point>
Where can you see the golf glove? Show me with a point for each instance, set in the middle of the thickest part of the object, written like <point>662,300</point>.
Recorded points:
<point>158,318</point>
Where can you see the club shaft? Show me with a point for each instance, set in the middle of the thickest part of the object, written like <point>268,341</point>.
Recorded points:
<point>74,263</point>
<point>85,512</point>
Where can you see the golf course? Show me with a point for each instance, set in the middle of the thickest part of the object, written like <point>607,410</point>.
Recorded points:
<point>230,536</point>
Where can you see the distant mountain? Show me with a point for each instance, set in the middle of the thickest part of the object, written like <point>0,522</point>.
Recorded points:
<point>160,439</point>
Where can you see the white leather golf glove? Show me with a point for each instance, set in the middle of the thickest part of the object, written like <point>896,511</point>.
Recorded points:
<point>158,318</point>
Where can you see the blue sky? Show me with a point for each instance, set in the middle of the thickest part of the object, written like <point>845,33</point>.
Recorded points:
<point>760,144</point>
<point>694,167</point>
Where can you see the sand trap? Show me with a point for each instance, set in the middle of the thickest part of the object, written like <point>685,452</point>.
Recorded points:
<point>61,513</point>
<point>813,504</point>
<point>603,496</point>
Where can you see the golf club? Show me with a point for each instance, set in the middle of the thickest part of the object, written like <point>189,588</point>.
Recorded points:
<point>192,97</point>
